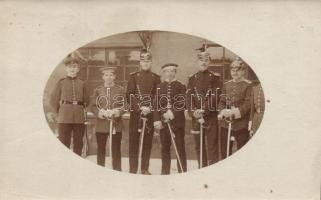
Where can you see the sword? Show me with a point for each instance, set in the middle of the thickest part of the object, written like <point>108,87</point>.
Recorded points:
<point>111,139</point>
<point>229,121</point>
<point>219,142</point>
<point>201,121</point>
<point>85,139</point>
<point>174,144</point>
<point>144,119</point>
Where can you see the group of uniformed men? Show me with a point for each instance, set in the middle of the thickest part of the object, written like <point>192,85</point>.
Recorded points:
<point>157,106</point>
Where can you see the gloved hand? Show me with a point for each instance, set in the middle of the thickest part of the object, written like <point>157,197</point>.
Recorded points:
<point>101,113</point>
<point>225,113</point>
<point>198,113</point>
<point>168,115</point>
<point>116,112</point>
<point>107,113</point>
<point>52,117</point>
<point>201,120</point>
<point>158,125</point>
<point>145,110</point>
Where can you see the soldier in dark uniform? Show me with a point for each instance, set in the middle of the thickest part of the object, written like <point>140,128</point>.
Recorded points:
<point>257,108</point>
<point>141,90</point>
<point>169,106</point>
<point>68,100</point>
<point>109,104</point>
<point>235,105</point>
<point>202,90</point>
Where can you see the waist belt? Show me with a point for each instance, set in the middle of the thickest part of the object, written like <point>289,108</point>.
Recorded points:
<point>72,102</point>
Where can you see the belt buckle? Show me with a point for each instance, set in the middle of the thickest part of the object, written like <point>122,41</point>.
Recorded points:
<point>74,102</point>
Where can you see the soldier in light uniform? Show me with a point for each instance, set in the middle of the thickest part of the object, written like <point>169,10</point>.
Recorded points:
<point>140,92</point>
<point>68,99</point>
<point>108,104</point>
<point>257,108</point>
<point>202,90</point>
<point>235,105</point>
<point>169,106</point>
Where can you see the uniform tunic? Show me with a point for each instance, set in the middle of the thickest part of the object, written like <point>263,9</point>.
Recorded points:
<point>237,95</point>
<point>69,90</point>
<point>108,98</point>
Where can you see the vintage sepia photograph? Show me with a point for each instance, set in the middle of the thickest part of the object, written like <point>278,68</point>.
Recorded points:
<point>153,102</point>
<point>160,100</point>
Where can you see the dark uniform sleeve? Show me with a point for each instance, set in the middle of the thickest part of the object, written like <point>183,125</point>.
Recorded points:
<point>246,104</point>
<point>222,102</point>
<point>93,107</point>
<point>182,93</point>
<point>211,101</point>
<point>132,100</point>
<point>156,111</point>
<point>86,94</point>
<point>122,104</point>
<point>55,97</point>
<point>189,101</point>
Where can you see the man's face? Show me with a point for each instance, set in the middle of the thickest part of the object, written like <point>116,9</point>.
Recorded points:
<point>169,73</point>
<point>72,69</point>
<point>237,73</point>
<point>145,61</point>
<point>203,63</point>
<point>109,77</point>
<point>146,64</point>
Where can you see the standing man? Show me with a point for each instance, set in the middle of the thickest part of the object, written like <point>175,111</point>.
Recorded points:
<point>68,100</point>
<point>108,105</point>
<point>141,90</point>
<point>169,106</point>
<point>202,90</point>
<point>235,106</point>
<point>257,108</point>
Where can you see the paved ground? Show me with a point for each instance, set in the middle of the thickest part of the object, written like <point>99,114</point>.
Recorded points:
<point>154,167</point>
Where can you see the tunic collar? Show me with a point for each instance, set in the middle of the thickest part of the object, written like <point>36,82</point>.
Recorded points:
<point>109,86</point>
<point>72,78</point>
<point>170,81</point>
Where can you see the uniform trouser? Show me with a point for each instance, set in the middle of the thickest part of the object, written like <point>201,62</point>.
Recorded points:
<point>241,137</point>
<point>134,142</point>
<point>210,143</point>
<point>116,152</point>
<point>78,134</point>
<point>166,142</point>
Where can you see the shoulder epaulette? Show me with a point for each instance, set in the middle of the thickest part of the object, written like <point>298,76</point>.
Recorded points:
<point>247,81</point>
<point>155,74</point>
<point>99,87</point>
<point>228,81</point>
<point>214,73</point>
<point>133,73</point>
<point>180,82</point>
<point>119,86</point>
<point>192,75</point>
<point>61,79</point>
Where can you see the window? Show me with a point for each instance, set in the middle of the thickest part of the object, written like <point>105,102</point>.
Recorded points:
<point>125,59</point>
